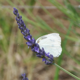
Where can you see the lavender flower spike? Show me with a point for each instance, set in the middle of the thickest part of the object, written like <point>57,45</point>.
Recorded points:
<point>24,77</point>
<point>31,42</point>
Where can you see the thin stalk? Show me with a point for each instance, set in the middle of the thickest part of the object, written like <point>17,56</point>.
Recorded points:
<point>67,71</point>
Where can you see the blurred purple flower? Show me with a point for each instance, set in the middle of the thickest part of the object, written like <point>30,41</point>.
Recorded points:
<point>31,42</point>
<point>24,77</point>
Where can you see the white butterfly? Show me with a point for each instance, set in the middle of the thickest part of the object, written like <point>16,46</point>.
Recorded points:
<point>51,43</point>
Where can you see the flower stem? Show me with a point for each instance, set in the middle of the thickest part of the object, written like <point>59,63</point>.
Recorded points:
<point>67,71</point>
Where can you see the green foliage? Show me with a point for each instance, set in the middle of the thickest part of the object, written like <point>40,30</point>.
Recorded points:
<point>32,2</point>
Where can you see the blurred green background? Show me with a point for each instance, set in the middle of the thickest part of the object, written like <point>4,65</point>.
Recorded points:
<point>41,17</point>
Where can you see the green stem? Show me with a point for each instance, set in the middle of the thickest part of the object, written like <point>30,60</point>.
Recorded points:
<point>67,71</point>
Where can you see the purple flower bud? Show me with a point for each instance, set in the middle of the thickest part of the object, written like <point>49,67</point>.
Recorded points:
<point>21,28</point>
<point>22,22</point>
<point>15,11</point>
<point>24,77</point>
<point>18,16</point>
<point>35,48</point>
<point>26,31</point>
<point>47,62</point>
<point>28,37</point>
<point>29,44</point>
<point>43,59</point>
<point>50,59</point>
<point>33,41</point>
<point>18,20</point>
<point>41,53</point>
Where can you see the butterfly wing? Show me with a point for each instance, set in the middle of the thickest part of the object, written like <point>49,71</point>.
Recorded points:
<point>51,43</point>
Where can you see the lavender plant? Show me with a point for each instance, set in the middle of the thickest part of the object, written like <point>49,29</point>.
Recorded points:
<point>31,42</point>
<point>24,77</point>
